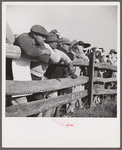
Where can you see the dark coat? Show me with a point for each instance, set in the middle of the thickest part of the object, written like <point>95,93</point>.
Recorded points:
<point>29,47</point>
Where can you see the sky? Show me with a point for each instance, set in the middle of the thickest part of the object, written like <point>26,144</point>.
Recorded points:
<point>94,24</point>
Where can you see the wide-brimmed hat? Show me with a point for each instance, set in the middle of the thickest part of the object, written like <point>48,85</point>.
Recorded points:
<point>51,38</point>
<point>85,45</point>
<point>39,29</point>
<point>113,51</point>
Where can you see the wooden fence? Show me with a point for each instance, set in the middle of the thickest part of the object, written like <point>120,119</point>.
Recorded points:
<point>30,87</point>
<point>94,90</point>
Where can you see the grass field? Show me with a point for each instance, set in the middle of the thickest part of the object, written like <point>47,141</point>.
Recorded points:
<point>107,108</point>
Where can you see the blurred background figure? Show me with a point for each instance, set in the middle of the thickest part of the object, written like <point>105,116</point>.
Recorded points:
<point>112,57</point>
<point>12,71</point>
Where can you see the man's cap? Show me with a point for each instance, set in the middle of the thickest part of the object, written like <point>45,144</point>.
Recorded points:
<point>39,29</point>
<point>73,43</point>
<point>54,31</point>
<point>64,41</point>
<point>51,38</point>
<point>85,45</point>
<point>113,51</point>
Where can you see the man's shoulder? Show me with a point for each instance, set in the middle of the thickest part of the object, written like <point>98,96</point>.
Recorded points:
<point>47,46</point>
<point>22,38</point>
<point>23,35</point>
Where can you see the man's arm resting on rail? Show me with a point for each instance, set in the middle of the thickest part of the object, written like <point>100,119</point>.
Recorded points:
<point>27,47</point>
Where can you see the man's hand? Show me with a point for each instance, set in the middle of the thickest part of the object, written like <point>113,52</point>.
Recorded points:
<point>82,56</point>
<point>44,55</point>
<point>72,69</point>
<point>46,51</point>
<point>74,43</point>
<point>39,40</point>
<point>74,76</point>
<point>63,47</point>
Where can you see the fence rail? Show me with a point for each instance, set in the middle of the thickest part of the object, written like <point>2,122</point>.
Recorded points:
<point>105,80</point>
<point>23,110</point>
<point>104,91</point>
<point>29,87</point>
<point>105,66</point>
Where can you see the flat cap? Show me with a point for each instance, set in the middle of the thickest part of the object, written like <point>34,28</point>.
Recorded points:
<point>51,38</point>
<point>39,29</point>
<point>54,31</point>
<point>64,40</point>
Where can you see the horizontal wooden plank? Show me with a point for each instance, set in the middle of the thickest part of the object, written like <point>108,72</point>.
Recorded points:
<point>29,87</point>
<point>21,57</point>
<point>23,110</point>
<point>105,66</point>
<point>13,54</point>
<point>28,58</point>
<point>104,91</point>
<point>97,79</point>
<point>80,62</point>
<point>16,53</point>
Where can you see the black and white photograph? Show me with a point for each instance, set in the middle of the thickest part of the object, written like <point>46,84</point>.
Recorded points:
<point>61,70</point>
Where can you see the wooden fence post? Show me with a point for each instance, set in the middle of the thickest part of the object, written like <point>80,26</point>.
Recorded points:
<point>91,75</point>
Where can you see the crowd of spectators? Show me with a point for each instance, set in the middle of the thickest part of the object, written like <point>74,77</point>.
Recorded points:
<point>49,49</point>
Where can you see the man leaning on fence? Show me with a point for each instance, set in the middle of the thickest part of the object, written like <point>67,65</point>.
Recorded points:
<point>38,69</point>
<point>52,40</point>
<point>54,71</point>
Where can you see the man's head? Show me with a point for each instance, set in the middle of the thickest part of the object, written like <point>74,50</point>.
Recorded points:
<point>58,34</point>
<point>76,44</point>
<point>65,41</point>
<point>52,40</point>
<point>54,31</point>
<point>97,52</point>
<point>63,44</point>
<point>39,33</point>
<point>102,50</point>
<point>113,52</point>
